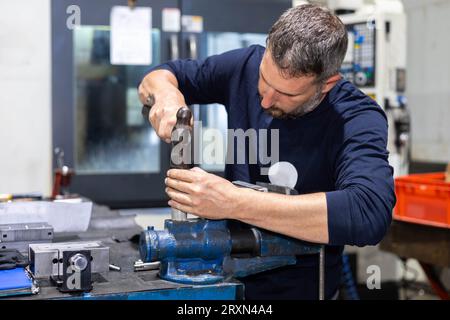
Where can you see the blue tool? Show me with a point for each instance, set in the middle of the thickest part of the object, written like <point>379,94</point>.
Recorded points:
<point>201,251</point>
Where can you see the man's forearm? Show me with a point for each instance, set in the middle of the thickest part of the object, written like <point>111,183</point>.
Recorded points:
<point>303,216</point>
<point>159,83</point>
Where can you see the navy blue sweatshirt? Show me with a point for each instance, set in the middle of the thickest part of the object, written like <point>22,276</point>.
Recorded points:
<point>339,148</point>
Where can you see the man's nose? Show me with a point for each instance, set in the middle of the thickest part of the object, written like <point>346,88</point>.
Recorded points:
<point>268,98</point>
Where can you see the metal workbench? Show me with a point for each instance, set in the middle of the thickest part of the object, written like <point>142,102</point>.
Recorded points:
<point>429,245</point>
<point>120,234</point>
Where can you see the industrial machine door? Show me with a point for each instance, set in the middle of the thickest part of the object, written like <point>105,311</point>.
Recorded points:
<point>118,159</point>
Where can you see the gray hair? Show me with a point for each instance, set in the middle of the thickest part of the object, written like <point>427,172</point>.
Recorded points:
<point>308,40</point>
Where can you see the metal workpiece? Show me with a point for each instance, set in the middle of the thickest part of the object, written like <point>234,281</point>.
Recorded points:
<point>182,149</point>
<point>22,232</point>
<point>19,236</point>
<point>21,246</point>
<point>46,258</point>
<point>178,215</point>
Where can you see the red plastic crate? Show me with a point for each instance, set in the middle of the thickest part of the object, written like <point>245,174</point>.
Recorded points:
<point>424,199</point>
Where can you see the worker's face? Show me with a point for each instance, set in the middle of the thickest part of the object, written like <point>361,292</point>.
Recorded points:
<point>284,97</point>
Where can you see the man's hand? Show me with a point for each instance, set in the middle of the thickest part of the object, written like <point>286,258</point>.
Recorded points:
<point>163,85</point>
<point>208,196</point>
<point>203,194</point>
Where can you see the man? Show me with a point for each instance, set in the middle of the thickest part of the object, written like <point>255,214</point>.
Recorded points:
<point>333,134</point>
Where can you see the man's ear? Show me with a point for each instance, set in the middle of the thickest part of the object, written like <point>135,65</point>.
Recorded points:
<point>330,83</point>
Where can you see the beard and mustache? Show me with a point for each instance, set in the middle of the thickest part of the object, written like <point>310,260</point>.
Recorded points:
<point>301,110</point>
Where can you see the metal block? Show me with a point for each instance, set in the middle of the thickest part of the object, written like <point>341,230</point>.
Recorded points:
<point>21,246</point>
<point>26,232</point>
<point>46,259</point>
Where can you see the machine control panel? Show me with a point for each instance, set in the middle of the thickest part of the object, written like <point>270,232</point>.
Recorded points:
<point>359,63</point>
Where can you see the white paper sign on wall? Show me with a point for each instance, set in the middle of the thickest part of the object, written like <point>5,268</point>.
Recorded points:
<point>171,20</point>
<point>131,35</point>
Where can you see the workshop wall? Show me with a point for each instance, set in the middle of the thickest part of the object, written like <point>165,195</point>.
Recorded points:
<point>25,96</point>
<point>428,79</point>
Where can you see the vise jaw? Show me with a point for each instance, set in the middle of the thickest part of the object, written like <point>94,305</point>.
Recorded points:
<point>201,251</point>
<point>190,251</point>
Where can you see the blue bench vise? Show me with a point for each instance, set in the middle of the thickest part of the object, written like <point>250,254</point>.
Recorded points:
<point>202,251</point>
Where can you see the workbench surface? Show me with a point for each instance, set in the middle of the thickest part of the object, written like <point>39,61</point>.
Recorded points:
<point>425,243</point>
<point>121,234</point>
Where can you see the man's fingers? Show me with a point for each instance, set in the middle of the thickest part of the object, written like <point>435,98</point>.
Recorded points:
<point>163,120</point>
<point>183,175</point>
<point>153,118</point>
<point>142,93</point>
<point>165,130</point>
<point>181,207</point>
<point>178,196</point>
<point>160,128</point>
<point>179,185</point>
